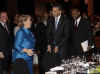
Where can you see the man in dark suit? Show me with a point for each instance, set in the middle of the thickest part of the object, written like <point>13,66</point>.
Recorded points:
<point>58,32</point>
<point>5,51</point>
<point>81,31</point>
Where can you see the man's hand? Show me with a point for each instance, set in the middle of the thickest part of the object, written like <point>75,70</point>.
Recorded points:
<point>56,49</point>
<point>49,48</point>
<point>2,55</point>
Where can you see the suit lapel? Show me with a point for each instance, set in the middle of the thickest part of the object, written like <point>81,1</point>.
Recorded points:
<point>3,28</point>
<point>80,24</point>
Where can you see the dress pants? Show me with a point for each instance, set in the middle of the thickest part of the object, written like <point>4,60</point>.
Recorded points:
<point>30,66</point>
<point>1,68</point>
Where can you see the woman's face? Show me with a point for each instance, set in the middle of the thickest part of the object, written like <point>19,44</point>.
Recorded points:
<point>28,22</point>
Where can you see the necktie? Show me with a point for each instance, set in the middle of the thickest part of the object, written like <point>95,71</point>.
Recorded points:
<point>75,26</point>
<point>56,23</point>
<point>5,26</point>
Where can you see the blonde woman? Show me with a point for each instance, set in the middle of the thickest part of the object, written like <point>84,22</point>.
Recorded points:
<point>25,43</point>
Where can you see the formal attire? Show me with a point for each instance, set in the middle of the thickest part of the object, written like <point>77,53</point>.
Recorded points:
<point>4,46</point>
<point>40,33</point>
<point>39,30</point>
<point>81,31</point>
<point>58,33</point>
<point>24,39</point>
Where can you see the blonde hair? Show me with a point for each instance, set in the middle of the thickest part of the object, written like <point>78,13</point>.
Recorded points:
<point>22,19</point>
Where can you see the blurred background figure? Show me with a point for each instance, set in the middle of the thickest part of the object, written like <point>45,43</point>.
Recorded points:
<point>18,25</point>
<point>14,22</point>
<point>81,31</point>
<point>96,30</point>
<point>85,15</point>
<point>40,31</point>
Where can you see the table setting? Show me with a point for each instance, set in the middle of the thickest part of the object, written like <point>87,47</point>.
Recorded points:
<point>78,65</point>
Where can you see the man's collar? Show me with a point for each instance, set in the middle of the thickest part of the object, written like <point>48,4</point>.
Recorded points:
<point>58,16</point>
<point>2,23</point>
<point>78,19</point>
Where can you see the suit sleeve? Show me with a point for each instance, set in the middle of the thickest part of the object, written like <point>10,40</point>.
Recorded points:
<point>19,40</point>
<point>1,40</point>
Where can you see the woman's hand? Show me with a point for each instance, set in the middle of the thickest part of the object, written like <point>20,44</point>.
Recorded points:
<point>28,51</point>
<point>25,50</point>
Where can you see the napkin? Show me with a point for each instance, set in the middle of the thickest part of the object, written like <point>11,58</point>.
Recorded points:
<point>85,46</point>
<point>50,73</point>
<point>57,68</point>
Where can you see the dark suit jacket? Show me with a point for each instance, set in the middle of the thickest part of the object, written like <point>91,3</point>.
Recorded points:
<point>60,36</point>
<point>40,34</point>
<point>4,42</point>
<point>84,33</point>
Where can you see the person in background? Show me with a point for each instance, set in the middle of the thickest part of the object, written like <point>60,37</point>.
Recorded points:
<point>24,45</point>
<point>85,15</point>
<point>5,45</point>
<point>19,25</point>
<point>45,18</point>
<point>16,17</point>
<point>96,30</point>
<point>15,20</point>
<point>81,31</point>
<point>13,24</point>
<point>41,38</point>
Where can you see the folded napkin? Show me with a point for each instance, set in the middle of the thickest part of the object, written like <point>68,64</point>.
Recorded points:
<point>57,68</point>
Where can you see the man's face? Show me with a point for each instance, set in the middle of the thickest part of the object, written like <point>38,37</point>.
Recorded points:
<point>56,11</point>
<point>75,13</point>
<point>4,17</point>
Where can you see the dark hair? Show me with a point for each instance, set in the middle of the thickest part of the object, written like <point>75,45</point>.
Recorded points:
<point>2,12</point>
<point>75,8</point>
<point>57,6</point>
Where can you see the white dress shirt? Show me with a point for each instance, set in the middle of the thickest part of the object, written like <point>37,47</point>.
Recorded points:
<point>2,23</point>
<point>57,21</point>
<point>78,21</point>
